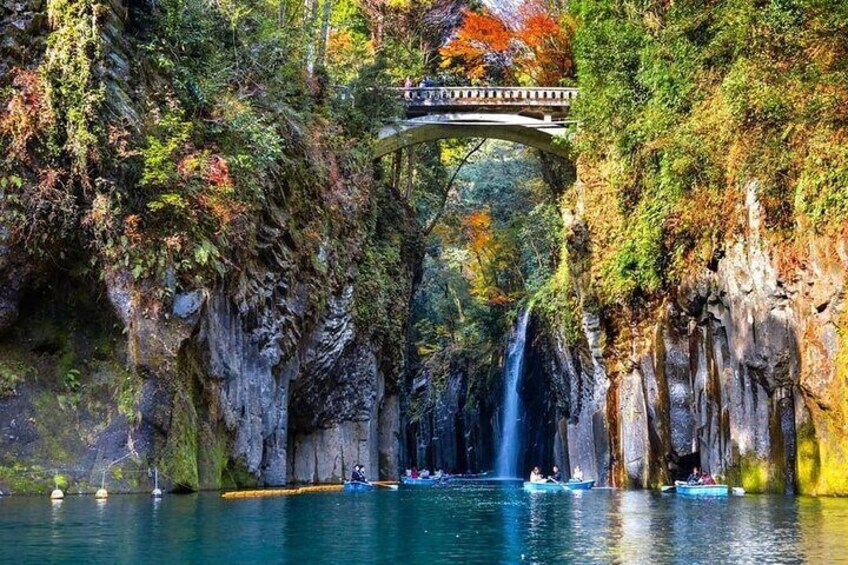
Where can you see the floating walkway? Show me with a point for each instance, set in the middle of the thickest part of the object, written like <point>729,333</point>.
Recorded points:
<point>266,492</point>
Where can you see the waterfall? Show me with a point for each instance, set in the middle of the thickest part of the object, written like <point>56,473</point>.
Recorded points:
<point>507,462</point>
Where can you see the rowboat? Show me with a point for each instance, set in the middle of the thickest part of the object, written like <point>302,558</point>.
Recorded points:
<point>579,485</point>
<point>357,486</point>
<point>701,490</point>
<point>540,487</point>
<point>410,482</point>
<point>548,486</point>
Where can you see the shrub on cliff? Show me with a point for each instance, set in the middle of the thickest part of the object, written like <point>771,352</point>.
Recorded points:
<point>682,103</point>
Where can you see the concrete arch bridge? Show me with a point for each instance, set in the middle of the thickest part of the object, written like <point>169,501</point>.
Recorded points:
<point>532,116</point>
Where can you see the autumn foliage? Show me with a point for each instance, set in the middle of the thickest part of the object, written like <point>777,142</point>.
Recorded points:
<point>535,49</point>
<point>483,46</point>
<point>491,258</point>
<point>27,114</point>
<point>546,55</point>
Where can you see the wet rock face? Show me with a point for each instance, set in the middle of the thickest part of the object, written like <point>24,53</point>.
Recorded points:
<point>301,414</point>
<point>13,279</point>
<point>448,432</point>
<point>541,414</point>
<point>579,378</point>
<point>22,22</point>
<point>732,375</point>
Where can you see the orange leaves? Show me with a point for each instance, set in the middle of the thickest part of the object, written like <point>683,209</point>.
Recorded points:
<point>478,230</point>
<point>536,49</point>
<point>490,257</point>
<point>218,171</point>
<point>547,54</point>
<point>212,169</point>
<point>27,114</point>
<point>482,41</point>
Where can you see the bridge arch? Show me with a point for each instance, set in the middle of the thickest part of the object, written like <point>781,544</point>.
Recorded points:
<point>529,116</point>
<point>532,132</point>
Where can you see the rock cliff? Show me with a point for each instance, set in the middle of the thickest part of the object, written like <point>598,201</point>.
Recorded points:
<point>737,370</point>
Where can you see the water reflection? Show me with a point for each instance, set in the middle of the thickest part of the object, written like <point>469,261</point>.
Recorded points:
<point>511,519</point>
<point>632,532</point>
<point>823,527</point>
<point>457,524</point>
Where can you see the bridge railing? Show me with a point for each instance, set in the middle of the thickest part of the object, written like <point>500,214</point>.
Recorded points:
<point>487,95</point>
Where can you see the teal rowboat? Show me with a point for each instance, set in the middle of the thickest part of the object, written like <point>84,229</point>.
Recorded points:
<point>357,486</point>
<point>570,485</point>
<point>701,490</point>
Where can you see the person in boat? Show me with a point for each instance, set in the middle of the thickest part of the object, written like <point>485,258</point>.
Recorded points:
<point>577,474</point>
<point>425,474</point>
<point>362,476</point>
<point>536,476</point>
<point>438,475</point>
<point>556,476</point>
<point>408,473</point>
<point>414,474</point>
<point>707,479</point>
<point>356,476</point>
<point>695,477</point>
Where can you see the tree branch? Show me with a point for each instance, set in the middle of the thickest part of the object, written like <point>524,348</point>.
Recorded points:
<point>447,189</point>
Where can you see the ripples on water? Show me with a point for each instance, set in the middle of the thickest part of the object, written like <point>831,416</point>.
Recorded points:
<point>469,524</point>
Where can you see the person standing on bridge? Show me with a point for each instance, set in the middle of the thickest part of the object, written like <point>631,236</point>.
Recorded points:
<point>408,82</point>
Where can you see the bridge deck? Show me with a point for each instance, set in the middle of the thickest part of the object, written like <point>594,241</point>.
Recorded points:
<point>438,97</point>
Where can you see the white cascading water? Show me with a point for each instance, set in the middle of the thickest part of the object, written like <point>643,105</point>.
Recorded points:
<point>506,465</point>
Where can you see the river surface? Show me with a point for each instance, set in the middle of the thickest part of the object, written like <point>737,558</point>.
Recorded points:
<point>469,524</point>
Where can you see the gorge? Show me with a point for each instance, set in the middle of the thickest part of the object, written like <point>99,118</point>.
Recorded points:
<point>202,265</point>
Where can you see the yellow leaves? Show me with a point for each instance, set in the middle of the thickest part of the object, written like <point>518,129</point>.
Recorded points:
<point>478,230</point>
<point>492,257</point>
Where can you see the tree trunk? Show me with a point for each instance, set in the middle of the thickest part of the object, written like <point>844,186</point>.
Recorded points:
<point>311,17</point>
<point>325,32</point>
<point>409,172</point>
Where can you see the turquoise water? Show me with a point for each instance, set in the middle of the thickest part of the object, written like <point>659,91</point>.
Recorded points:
<point>469,524</point>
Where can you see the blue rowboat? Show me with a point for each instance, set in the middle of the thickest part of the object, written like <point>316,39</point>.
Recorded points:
<point>579,485</point>
<point>408,482</point>
<point>570,485</point>
<point>702,490</point>
<point>542,487</point>
<point>356,486</point>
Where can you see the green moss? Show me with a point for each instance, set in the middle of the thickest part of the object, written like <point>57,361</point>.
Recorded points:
<point>754,474</point>
<point>75,92</point>
<point>128,393</point>
<point>61,481</point>
<point>832,424</point>
<point>557,303</point>
<point>11,375</point>
<point>212,457</point>
<point>808,458</point>
<point>19,478</point>
<point>179,456</point>
<point>750,472</point>
<point>382,290</point>
<point>236,475</point>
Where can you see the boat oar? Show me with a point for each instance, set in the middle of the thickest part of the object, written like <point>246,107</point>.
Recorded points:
<point>384,484</point>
